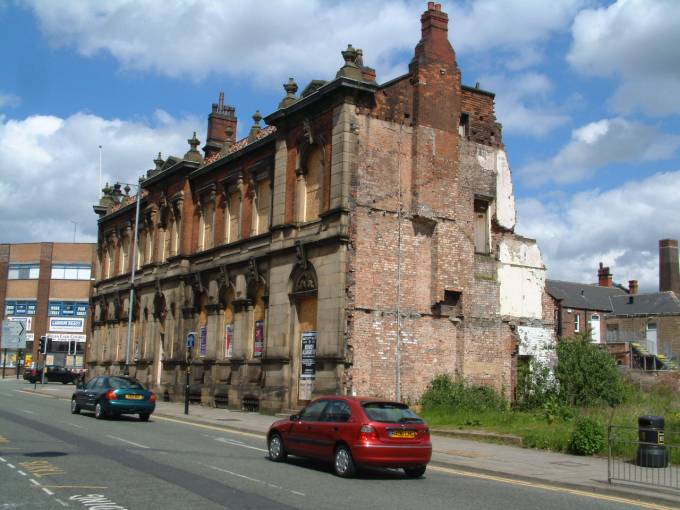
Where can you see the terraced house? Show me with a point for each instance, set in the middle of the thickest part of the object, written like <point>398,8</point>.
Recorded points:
<point>361,243</point>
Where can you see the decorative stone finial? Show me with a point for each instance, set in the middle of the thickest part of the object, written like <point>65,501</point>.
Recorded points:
<point>255,130</point>
<point>350,69</point>
<point>193,154</point>
<point>291,88</point>
<point>228,142</point>
<point>159,161</point>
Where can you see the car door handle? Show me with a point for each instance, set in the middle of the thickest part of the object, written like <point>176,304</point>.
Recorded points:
<point>335,429</point>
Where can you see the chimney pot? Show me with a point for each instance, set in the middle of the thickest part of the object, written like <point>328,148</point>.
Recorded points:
<point>430,6</point>
<point>632,287</point>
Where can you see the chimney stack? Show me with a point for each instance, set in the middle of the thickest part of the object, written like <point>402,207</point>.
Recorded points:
<point>632,287</point>
<point>221,116</point>
<point>669,266</point>
<point>434,34</point>
<point>604,277</point>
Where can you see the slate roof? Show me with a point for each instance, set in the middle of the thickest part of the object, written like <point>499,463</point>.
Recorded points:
<point>647,304</point>
<point>584,296</point>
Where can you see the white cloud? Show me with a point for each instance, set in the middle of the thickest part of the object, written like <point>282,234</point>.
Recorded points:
<point>260,40</point>
<point>9,100</point>
<point>524,106</point>
<point>620,227</point>
<point>521,26</point>
<point>636,41</point>
<point>598,144</point>
<point>50,175</point>
<point>268,41</point>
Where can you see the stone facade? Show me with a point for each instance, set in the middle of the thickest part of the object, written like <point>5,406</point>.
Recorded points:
<point>362,243</point>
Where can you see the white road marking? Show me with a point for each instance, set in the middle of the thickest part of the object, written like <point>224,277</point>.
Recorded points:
<point>47,491</point>
<point>34,482</point>
<point>129,442</point>
<point>73,425</point>
<point>2,459</point>
<point>251,479</point>
<point>62,503</point>
<point>21,472</point>
<point>10,465</point>
<point>239,443</point>
<point>27,411</point>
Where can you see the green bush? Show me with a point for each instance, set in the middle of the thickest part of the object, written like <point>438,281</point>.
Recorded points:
<point>535,385</point>
<point>446,393</point>
<point>587,375</point>
<point>588,437</point>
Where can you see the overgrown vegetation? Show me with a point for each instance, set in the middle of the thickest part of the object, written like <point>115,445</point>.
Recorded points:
<point>567,411</point>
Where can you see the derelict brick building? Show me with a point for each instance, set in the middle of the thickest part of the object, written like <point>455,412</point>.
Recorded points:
<point>364,238</point>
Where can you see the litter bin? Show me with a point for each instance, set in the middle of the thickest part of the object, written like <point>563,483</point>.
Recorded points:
<point>651,450</point>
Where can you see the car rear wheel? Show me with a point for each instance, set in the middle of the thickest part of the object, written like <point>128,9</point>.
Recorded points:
<point>75,408</point>
<point>343,463</point>
<point>144,416</point>
<point>415,472</point>
<point>277,452</point>
<point>99,412</point>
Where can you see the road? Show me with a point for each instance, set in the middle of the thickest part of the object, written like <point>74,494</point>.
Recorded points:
<point>50,458</point>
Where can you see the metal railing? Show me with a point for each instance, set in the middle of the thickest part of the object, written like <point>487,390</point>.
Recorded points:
<point>630,460</point>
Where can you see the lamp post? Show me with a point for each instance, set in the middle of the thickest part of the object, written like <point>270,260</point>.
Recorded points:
<point>133,258</point>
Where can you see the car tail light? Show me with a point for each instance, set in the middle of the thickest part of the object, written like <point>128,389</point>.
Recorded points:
<point>367,433</point>
<point>111,395</point>
<point>152,397</point>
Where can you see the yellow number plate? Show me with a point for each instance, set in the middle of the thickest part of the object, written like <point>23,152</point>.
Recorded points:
<point>134,397</point>
<point>403,434</point>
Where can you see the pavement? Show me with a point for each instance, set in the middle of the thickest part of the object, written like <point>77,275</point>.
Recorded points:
<point>493,461</point>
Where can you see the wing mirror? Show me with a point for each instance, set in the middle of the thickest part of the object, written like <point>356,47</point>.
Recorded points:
<point>294,417</point>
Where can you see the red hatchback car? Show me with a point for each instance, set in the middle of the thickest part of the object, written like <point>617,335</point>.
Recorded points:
<point>354,432</point>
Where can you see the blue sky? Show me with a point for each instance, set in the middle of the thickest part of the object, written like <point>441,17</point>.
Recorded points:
<point>587,92</point>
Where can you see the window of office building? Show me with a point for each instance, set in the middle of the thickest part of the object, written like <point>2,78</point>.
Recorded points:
<point>24,307</point>
<point>23,271</point>
<point>71,271</point>
<point>68,308</point>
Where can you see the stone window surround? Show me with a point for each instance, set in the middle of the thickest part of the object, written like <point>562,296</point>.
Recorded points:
<point>205,195</point>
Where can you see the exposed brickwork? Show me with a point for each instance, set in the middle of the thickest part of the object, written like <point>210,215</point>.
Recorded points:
<point>392,260</point>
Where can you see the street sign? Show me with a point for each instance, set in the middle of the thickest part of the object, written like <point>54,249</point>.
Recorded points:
<point>13,335</point>
<point>191,339</point>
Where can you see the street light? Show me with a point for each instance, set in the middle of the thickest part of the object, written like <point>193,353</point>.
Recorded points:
<point>133,258</point>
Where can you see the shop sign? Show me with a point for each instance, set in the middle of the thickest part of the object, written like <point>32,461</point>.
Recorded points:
<point>68,337</point>
<point>229,341</point>
<point>67,324</point>
<point>259,339</point>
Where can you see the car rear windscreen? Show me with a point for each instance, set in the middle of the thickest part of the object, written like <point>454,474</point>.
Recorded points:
<point>126,384</point>
<point>390,412</point>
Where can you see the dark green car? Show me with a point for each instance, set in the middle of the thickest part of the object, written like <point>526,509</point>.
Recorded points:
<point>113,395</point>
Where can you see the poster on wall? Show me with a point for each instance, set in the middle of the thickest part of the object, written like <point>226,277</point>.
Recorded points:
<point>307,365</point>
<point>203,342</point>
<point>259,339</point>
<point>229,341</point>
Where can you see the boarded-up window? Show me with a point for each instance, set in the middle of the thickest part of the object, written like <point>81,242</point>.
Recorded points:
<point>263,201</point>
<point>481,226</point>
<point>208,221</point>
<point>233,217</point>
<point>313,184</point>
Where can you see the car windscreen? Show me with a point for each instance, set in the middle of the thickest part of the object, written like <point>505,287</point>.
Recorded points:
<point>125,384</point>
<point>390,412</point>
